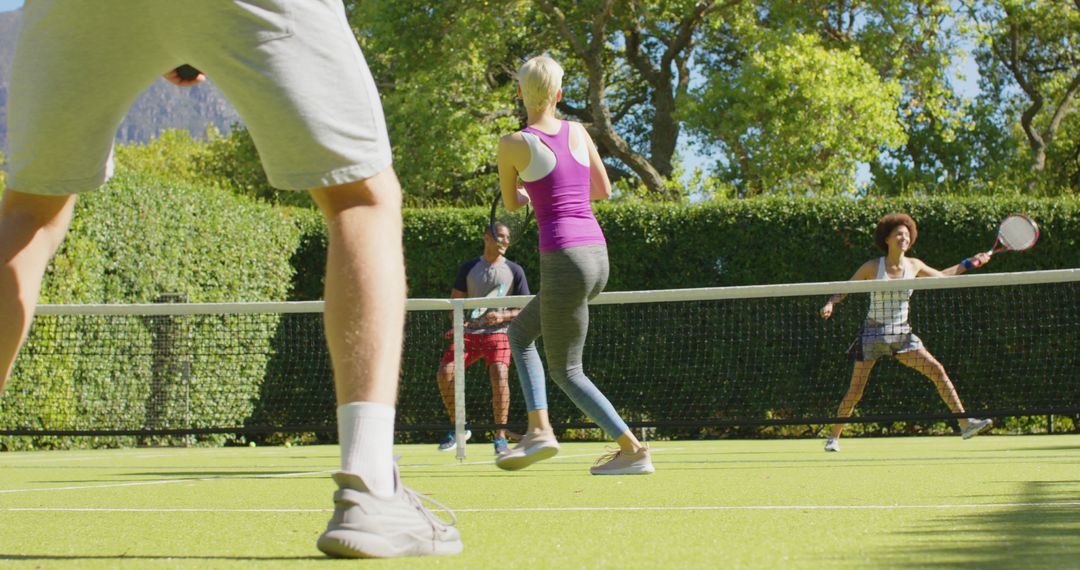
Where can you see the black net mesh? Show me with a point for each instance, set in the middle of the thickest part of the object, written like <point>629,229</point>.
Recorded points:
<point>676,366</point>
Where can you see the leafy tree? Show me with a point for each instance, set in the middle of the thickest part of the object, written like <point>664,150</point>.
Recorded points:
<point>796,117</point>
<point>791,96</point>
<point>447,68</point>
<point>1034,46</point>
<point>1065,156</point>
<point>232,161</point>
<point>228,161</point>
<point>172,155</point>
<point>913,43</point>
<point>445,73</point>
<point>636,57</point>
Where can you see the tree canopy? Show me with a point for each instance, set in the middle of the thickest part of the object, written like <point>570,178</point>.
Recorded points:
<point>774,97</point>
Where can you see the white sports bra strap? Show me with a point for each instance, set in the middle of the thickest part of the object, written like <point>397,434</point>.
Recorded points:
<point>581,151</point>
<point>541,159</point>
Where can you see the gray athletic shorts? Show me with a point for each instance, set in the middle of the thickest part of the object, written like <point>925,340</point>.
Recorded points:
<point>292,68</point>
<point>876,340</point>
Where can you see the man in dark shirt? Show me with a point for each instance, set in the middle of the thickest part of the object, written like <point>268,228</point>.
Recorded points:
<point>490,275</point>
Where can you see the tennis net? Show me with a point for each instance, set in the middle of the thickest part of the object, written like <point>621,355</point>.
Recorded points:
<point>684,361</point>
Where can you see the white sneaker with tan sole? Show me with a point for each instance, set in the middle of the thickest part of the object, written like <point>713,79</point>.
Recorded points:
<point>533,447</point>
<point>367,526</point>
<point>619,462</point>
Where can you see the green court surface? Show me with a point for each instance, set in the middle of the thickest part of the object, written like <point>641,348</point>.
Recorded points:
<point>990,502</point>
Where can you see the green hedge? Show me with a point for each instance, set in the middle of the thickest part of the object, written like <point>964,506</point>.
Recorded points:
<point>134,241</point>
<point>140,238</point>
<point>736,242</point>
<point>761,241</point>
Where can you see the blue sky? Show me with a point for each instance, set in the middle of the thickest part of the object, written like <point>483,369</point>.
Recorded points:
<point>8,5</point>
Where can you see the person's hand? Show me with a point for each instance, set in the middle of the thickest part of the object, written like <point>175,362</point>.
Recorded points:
<point>522,196</point>
<point>826,311</point>
<point>491,318</point>
<point>979,259</point>
<point>173,77</point>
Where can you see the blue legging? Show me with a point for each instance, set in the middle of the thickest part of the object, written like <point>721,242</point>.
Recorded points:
<point>560,312</point>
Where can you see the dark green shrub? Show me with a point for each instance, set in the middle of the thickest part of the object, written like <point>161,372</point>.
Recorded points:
<point>134,241</point>
<point>140,238</point>
<point>731,242</point>
<point>750,242</point>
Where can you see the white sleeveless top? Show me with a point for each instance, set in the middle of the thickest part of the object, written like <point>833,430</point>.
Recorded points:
<point>889,307</point>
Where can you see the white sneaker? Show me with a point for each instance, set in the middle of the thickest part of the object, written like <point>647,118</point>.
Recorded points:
<point>618,462</point>
<point>974,427</point>
<point>366,526</point>
<point>449,443</point>
<point>833,444</point>
<point>533,447</point>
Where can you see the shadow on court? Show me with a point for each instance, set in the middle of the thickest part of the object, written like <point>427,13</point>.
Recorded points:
<point>1028,536</point>
<point>1034,448</point>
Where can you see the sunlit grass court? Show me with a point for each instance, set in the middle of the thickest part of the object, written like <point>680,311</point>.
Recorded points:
<point>990,502</point>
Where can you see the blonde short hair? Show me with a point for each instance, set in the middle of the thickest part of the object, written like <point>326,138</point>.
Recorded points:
<point>540,80</point>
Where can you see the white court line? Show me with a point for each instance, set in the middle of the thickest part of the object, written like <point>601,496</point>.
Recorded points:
<point>1058,504</point>
<point>556,458</point>
<point>486,461</point>
<point>269,476</point>
<point>9,461</point>
<point>160,482</point>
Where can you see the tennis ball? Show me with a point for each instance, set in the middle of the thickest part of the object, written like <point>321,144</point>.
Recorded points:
<point>251,444</point>
<point>287,444</point>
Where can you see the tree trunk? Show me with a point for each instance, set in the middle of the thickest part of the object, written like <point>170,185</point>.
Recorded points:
<point>601,128</point>
<point>665,132</point>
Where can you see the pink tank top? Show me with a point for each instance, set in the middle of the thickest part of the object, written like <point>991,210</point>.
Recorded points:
<point>561,198</point>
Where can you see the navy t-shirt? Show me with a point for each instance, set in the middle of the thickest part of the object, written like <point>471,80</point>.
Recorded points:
<point>478,278</point>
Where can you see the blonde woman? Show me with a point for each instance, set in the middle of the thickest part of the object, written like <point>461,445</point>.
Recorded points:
<point>554,165</point>
<point>886,331</point>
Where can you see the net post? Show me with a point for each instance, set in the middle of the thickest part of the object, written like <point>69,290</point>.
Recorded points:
<point>185,375</point>
<point>171,365</point>
<point>458,307</point>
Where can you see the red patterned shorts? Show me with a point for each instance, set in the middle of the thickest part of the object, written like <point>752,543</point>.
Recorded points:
<point>494,348</point>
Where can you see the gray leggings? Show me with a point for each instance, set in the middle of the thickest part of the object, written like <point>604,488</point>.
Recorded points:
<point>560,312</point>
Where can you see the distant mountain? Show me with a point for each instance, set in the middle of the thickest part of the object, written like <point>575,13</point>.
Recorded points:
<point>161,106</point>
<point>9,23</point>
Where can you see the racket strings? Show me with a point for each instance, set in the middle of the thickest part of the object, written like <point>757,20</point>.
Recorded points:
<point>517,222</point>
<point>1018,233</point>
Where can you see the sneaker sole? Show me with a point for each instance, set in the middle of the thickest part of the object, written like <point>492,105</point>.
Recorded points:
<point>972,434</point>
<point>468,436</point>
<point>354,544</point>
<point>517,462</point>
<point>646,470</point>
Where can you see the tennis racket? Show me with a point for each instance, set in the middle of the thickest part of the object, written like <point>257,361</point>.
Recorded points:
<point>479,311</point>
<point>1015,233</point>
<point>506,226</point>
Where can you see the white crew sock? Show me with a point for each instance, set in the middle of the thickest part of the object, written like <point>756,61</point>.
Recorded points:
<point>366,435</point>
